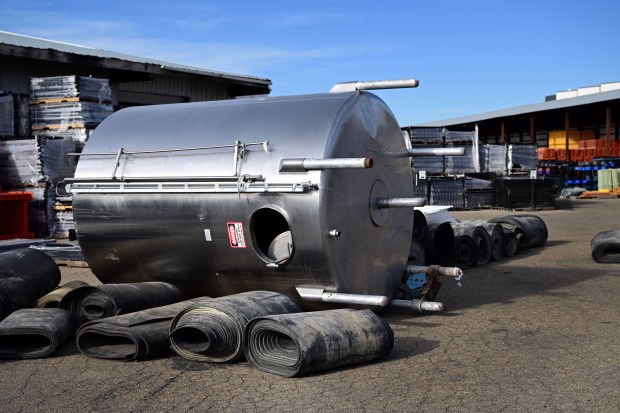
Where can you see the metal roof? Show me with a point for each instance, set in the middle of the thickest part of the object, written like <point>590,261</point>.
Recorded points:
<point>13,39</point>
<point>521,110</point>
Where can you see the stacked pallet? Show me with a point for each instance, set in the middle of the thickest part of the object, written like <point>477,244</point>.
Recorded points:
<point>61,103</point>
<point>64,110</point>
<point>37,132</point>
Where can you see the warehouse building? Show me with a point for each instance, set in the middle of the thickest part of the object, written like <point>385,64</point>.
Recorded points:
<point>527,155</point>
<point>53,94</point>
<point>134,80</point>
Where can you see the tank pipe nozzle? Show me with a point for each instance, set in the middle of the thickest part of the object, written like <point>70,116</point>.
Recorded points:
<point>374,85</point>
<point>459,151</point>
<point>320,295</point>
<point>417,305</point>
<point>454,272</point>
<point>310,164</point>
<point>400,202</point>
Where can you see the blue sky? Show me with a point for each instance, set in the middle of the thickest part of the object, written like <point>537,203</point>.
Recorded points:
<point>470,57</point>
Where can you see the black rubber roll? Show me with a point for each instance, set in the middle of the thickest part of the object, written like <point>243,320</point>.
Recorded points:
<point>416,253</point>
<point>606,247</point>
<point>497,238</point>
<point>420,226</point>
<point>439,246</point>
<point>130,337</point>
<point>298,344</point>
<point>100,301</point>
<point>466,251</point>
<point>52,299</point>
<point>35,332</point>
<point>532,227</point>
<point>214,331</point>
<point>25,276</point>
<point>513,239</point>
<point>481,239</point>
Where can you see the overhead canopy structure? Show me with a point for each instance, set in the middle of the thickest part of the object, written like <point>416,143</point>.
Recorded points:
<point>155,81</point>
<point>597,110</point>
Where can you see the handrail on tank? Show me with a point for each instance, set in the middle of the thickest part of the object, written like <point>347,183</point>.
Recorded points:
<point>265,145</point>
<point>344,87</point>
<point>238,154</point>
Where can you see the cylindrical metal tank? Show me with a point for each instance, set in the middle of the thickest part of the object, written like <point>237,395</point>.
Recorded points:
<point>230,196</point>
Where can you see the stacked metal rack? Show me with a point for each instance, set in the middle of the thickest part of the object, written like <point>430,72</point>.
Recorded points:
<point>485,176</point>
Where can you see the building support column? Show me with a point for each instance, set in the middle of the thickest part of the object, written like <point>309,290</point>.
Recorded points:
<point>532,130</point>
<point>502,138</point>
<point>607,131</point>
<point>566,135</point>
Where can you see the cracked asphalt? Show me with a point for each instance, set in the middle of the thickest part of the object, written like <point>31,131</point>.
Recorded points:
<point>538,332</point>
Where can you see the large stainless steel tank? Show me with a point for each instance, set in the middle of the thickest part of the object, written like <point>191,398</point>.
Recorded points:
<point>272,193</point>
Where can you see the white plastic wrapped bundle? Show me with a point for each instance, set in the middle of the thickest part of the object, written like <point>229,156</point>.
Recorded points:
<point>71,86</point>
<point>19,163</point>
<point>436,214</point>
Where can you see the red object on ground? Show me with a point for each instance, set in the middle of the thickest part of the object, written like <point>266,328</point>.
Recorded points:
<point>14,215</point>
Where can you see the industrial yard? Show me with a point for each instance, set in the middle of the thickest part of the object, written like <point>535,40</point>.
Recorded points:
<point>477,258</point>
<point>535,332</point>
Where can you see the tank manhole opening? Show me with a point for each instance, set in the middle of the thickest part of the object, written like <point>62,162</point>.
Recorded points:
<point>271,235</point>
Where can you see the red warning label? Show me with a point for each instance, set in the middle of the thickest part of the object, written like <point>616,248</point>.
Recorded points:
<point>235,234</point>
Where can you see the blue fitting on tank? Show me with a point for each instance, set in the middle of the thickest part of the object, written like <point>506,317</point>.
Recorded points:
<point>414,283</point>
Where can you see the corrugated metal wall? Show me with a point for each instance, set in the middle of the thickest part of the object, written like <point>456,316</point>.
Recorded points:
<point>190,88</point>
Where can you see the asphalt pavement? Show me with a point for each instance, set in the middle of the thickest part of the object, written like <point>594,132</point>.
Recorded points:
<point>538,332</point>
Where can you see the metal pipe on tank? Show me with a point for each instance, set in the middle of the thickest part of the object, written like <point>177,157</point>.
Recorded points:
<point>417,305</point>
<point>310,164</point>
<point>374,85</point>
<point>319,295</point>
<point>400,202</point>
<point>436,151</point>
<point>455,272</point>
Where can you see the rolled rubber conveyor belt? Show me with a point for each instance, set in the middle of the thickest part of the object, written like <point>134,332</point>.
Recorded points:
<point>466,252</point>
<point>420,226</point>
<point>512,240</point>
<point>52,299</point>
<point>532,227</point>
<point>606,247</point>
<point>130,337</point>
<point>497,238</point>
<point>297,344</point>
<point>100,301</point>
<point>35,332</point>
<point>481,239</point>
<point>25,276</point>
<point>215,331</point>
<point>416,253</point>
<point>439,246</point>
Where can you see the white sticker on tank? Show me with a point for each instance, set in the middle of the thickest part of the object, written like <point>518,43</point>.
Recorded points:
<point>208,235</point>
<point>235,234</point>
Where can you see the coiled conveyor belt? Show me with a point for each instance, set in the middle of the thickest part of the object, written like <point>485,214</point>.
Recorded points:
<point>214,331</point>
<point>606,247</point>
<point>298,344</point>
